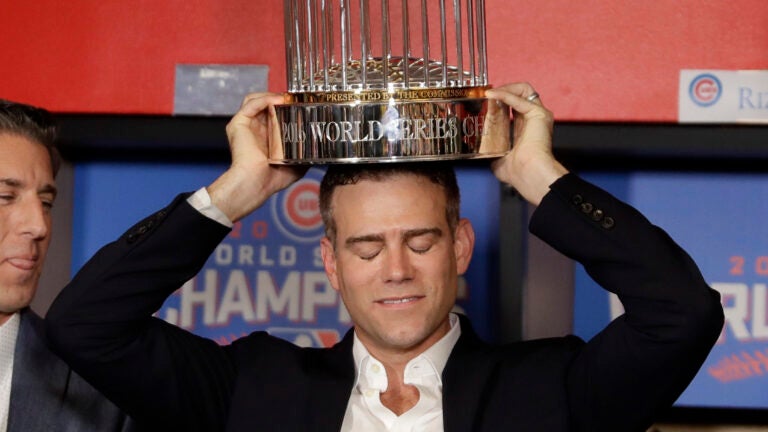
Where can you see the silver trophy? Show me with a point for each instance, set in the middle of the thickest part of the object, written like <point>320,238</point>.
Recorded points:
<point>386,81</point>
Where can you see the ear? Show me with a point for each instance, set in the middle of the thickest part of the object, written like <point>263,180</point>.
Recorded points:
<point>463,245</point>
<point>328,253</point>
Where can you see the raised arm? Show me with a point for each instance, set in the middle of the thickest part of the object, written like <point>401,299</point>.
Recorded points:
<point>642,361</point>
<point>250,179</point>
<point>639,364</point>
<point>102,322</point>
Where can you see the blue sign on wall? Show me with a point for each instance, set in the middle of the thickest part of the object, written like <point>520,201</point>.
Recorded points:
<point>267,274</point>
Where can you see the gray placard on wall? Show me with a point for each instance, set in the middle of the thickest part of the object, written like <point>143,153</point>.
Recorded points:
<point>215,89</point>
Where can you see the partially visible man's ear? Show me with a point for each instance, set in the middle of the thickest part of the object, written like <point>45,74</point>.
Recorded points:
<point>328,254</point>
<point>463,245</point>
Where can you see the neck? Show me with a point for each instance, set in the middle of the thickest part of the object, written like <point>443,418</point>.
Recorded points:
<point>399,397</point>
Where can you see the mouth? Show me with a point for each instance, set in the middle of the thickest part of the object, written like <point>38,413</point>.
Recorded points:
<point>23,263</point>
<point>400,301</point>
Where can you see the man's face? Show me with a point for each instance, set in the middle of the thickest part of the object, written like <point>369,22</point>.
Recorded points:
<point>395,261</point>
<point>27,192</point>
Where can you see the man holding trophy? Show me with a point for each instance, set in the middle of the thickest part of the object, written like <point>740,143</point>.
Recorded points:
<point>395,246</point>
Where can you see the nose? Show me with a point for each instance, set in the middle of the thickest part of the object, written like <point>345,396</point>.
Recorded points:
<point>397,265</point>
<point>34,220</point>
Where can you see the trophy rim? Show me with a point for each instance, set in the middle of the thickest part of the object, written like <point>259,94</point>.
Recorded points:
<point>412,94</point>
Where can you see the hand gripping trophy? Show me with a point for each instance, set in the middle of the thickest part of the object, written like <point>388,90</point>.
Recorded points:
<point>386,81</point>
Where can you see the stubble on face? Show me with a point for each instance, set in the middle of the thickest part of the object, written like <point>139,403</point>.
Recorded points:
<point>393,262</point>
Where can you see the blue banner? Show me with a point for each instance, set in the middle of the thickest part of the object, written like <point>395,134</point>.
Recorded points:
<point>268,273</point>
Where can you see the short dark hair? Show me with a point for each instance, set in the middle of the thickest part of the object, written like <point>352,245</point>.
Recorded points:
<point>35,124</point>
<point>440,173</point>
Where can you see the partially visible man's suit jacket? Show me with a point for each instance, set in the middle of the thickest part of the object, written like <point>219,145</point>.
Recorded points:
<point>46,395</point>
<point>619,381</point>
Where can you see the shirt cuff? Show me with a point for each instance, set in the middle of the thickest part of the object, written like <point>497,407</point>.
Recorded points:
<point>201,202</point>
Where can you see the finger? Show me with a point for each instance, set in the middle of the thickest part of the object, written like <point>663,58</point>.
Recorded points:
<point>514,98</point>
<point>255,103</point>
<point>534,98</point>
<point>257,95</point>
<point>520,96</point>
<point>521,89</point>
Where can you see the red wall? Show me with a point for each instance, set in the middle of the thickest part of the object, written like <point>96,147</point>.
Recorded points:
<point>601,60</point>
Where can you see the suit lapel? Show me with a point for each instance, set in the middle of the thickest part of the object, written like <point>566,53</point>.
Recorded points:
<point>39,378</point>
<point>332,381</point>
<point>464,379</point>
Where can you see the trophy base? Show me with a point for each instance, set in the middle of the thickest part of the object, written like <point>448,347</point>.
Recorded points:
<point>383,126</point>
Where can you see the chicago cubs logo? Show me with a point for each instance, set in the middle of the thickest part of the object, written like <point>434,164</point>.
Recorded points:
<point>296,210</point>
<point>705,90</point>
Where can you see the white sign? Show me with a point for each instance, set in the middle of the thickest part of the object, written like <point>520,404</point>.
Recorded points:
<point>215,89</point>
<point>720,96</point>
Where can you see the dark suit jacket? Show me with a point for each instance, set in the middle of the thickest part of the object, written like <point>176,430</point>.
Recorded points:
<point>618,381</point>
<point>47,396</point>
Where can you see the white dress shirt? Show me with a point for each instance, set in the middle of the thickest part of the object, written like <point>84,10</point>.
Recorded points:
<point>365,412</point>
<point>8,334</point>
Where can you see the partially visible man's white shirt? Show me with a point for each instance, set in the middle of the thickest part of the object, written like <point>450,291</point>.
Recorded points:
<point>365,412</point>
<point>8,334</point>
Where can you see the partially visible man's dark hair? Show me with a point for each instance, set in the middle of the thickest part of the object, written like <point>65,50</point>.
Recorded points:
<point>33,123</point>
<point>440,173</point>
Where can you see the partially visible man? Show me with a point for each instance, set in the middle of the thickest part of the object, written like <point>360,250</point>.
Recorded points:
<point>38,391</point>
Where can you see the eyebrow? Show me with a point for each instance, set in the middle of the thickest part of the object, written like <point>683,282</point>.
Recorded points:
<point>10,182</point>
<point>364,239</point>
<point>437,232</point>
<point>409,234</point>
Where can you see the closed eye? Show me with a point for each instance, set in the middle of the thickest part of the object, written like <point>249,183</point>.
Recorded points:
<point>370,256</point>
<point>47,198</point>
<point>10,187</point>
<point>420,249</point>
<point>367,251</point>
<point>366,247</point>
<point>421,241</point>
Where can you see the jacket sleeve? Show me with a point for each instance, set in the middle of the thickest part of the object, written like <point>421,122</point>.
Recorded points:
<point>643,360</point>
<point>102,324</point>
